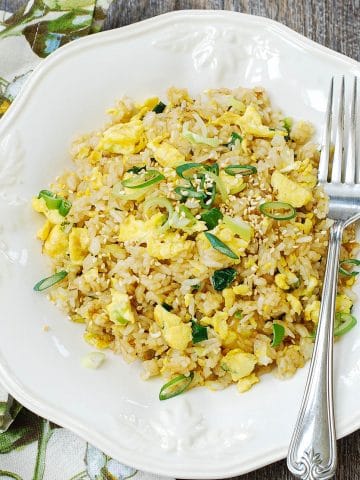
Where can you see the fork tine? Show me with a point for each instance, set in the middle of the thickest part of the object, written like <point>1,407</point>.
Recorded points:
<point>325,150</point>
<point>339,140</point>
<point>351,152</point>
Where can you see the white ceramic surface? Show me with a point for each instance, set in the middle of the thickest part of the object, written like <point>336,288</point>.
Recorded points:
<point>200,434</point>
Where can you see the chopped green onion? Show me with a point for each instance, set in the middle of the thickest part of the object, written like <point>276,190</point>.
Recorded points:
<point>51,200</point>
<point>223,278</point>
<point>189,192</point>
<point>343,323</point>
<point>120,192</point>
<point>159,202</point>
<point>243,170</point>
<point>238,314</point>
<point>219,184</point>
<point>159,108</point>
<point>209,199</point>
<point>199,333</point>
<point>136,169</point>
<point>234,138</point>
<point>214,168</point>
<point>167,306</point>
<point>211,218</point>
<point>195,138</point>
<point>287,125</point>
<point>144,179</point>
<point>50,281</point>
<point>64,207</point>
<point>238,226</point>
<point>220,246</point>
<point>191,168</point>
<point>278,210</point>
<point>93,360</point>
<point>278,334</point>
<point>349,261</point>
<point>176,386</point>
<point>195,288</point>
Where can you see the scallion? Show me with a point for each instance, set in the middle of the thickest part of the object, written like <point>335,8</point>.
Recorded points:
<point>243,229</point>
<point>278,210</point>
<point>64,207</point>
<point>159,108</point>
<point>167,306</point>
<point>349,261</point>
<point>199,333</point>
<point>233,139</point>
<point>223,278</point>
<point>243,170</point>
<point>278,334</point>
<point>189,192</point>
<point>211,218</point>
<point>343,323</point>
<point>220,246</point>
<point>144,180</point>
<point>50,281</point>
<point>136,169</point>
<point>176,386</point>
<point>53,202</point>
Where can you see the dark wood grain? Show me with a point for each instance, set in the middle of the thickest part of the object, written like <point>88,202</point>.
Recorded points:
<point>333,23</point>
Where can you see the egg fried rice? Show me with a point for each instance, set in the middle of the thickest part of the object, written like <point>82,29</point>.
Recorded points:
<point>192,235</point>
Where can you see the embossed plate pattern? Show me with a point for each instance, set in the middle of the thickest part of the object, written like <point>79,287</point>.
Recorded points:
<point>201,434</point>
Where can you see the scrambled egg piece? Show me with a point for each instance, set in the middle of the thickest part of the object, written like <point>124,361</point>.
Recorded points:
<point>132,229</point>
<point>227,118</point>
<point>125,138</point>
<point>147,106</point>
<point>169,245</point>
<point>294,303</point>
<point>290,191</point>
<point>312,311</point>
<point>262,350</point>
<point>166,154</point>
<point>176,333</point>
<point>343,303</point>
<point>238,363</point>
<point>244,384</point>
<point>242,290</point>
<point>78,245</point>
<point>43,232</point>
<point>119,310</point>
<point>219,324</point>
<point>251,123</point>
<point>57,242</point>
<point>229,297</point>
<point>39,205</point>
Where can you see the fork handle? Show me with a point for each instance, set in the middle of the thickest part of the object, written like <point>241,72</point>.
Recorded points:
<point>312,451</point>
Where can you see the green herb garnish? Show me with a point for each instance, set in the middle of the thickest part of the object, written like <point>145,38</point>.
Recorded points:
<point>189,192</point>
<point>238,314</point>
<point>159,108</point>
<point>199,333</point>
<point>143,180</point>
<point>176,386</point>
<point>243,170</point>
<point>220,246</point>
<point>234,137</point>
<point>278,210</point>
<point>349,261</point>
<point>287,125</point>
<point>211,218</point>
<point>343,323</point>
<point>167,306</point>
<point>136,169</point>
<point>53,202</point>
<point>50,281</point>
<point>278,334</point>
<point>223,278</point>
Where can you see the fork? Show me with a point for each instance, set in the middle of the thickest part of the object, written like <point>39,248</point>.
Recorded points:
<point>312,451</point>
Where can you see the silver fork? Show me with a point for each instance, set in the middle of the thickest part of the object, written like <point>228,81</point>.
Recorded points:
<point>312,451</point>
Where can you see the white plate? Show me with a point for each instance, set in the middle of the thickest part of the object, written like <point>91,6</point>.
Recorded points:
<point>200,434</point>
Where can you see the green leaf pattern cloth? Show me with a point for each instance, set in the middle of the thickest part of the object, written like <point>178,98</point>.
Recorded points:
<point>32,448</point>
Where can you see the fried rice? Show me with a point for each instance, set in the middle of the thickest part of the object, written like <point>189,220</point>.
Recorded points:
<point>192,269</point>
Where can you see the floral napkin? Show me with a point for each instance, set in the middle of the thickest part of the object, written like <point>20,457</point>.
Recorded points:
<point>32,448</point>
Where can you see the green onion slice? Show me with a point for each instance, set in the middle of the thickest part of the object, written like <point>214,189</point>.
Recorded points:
<point>278,210</point>
<point>211,218</point>
<point>167,306</point>
<point>189,192</point>
<point>159,108</point>
<point>349,261</point>
<point>50,281</point>
<point>176,386</point>
<point>223,278</point>
<point>343,323</point>
<point>64,207</point>
<point>159,202</point>
<point>208,201</point>
<point>136,169</point>
<point>220,246</point>
<point>189,169</point>
<point>51,200</point>
<point>234,137</point>
<point>243,170</point>
<point>238,314</point>
<point>219,184</point>
<point>199,333</point>
<point>278,334</point>
<point>143,180</point>
<point>243,229</point>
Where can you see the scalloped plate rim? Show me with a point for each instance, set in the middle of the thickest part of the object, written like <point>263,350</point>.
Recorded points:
<point>30,399</point>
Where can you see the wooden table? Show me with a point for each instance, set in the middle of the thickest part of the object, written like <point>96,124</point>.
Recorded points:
<point>335,24</point>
